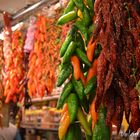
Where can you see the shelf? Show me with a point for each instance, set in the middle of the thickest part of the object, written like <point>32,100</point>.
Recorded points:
<point>31,126</point>
<point>45,99</point>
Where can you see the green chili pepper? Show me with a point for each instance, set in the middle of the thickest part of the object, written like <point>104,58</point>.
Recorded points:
<point>91,85</point>
<point>65,45</point>
<point>67,41</point>
<point>65,93</point>
<point>101,131</point>
<point>70,133</point>
<point>90,4</point>
<point>64,74</point>
<point>91,96</point>
<point>78,132</point>
<point>79,41</point>
<point>67,17</point>
<point>83,121</point>
<point>84,30</point>
<point>88,137</point>
<point>69,7</point>
<point>90,30</point>
<point>72,106</point>
<point>86,16</point>
<point>83,57</point>
<point>70,50</point>
<point>79,89</point>
<point>79,4</point>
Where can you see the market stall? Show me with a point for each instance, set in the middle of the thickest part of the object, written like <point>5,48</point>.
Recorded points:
<point>27,34</point>
<point>70,70</point>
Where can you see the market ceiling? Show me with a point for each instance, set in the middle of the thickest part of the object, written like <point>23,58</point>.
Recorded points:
<point>15,7</point>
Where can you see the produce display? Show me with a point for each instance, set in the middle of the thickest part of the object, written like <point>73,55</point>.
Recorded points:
<point>42,43</point>
<point>44,58</point>
<point>97,44</point>
<point>13,73</point>
<point>101,67</point>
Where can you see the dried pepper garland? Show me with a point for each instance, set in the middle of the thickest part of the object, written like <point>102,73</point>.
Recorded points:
<point>117,26</point>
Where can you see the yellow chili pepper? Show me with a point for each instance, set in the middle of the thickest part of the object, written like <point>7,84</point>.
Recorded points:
<point>80,14</point>
<point>63,126</point>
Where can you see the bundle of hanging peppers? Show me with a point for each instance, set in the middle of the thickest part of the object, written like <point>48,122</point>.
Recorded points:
<point>44,58</point>
<point>79,65</point>
<point>95,94</point>
<point>13,68</point>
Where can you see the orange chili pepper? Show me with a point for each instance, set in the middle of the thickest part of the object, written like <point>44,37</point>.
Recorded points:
<point>49,85</point>
<point>41,90</point>
<point>83,78</point>
<point>65,108</point>
<point>76,66</point>
<point>42,37</point>
<point>91,49</point>
<point>14,98</point>
<point>92,71</point>
<point>93,113</point>
<point>8,97</point>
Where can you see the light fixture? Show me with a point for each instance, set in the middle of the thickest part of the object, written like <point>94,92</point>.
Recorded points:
<point>15,27</point>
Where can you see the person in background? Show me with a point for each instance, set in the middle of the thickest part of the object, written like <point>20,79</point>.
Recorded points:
<point>9,133</point>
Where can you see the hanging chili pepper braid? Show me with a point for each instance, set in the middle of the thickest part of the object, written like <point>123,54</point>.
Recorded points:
<point>7,54</point>
<point>120,56</point>
<point>44,58</point>
<point>110,54</point>
<point>14,69</point>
